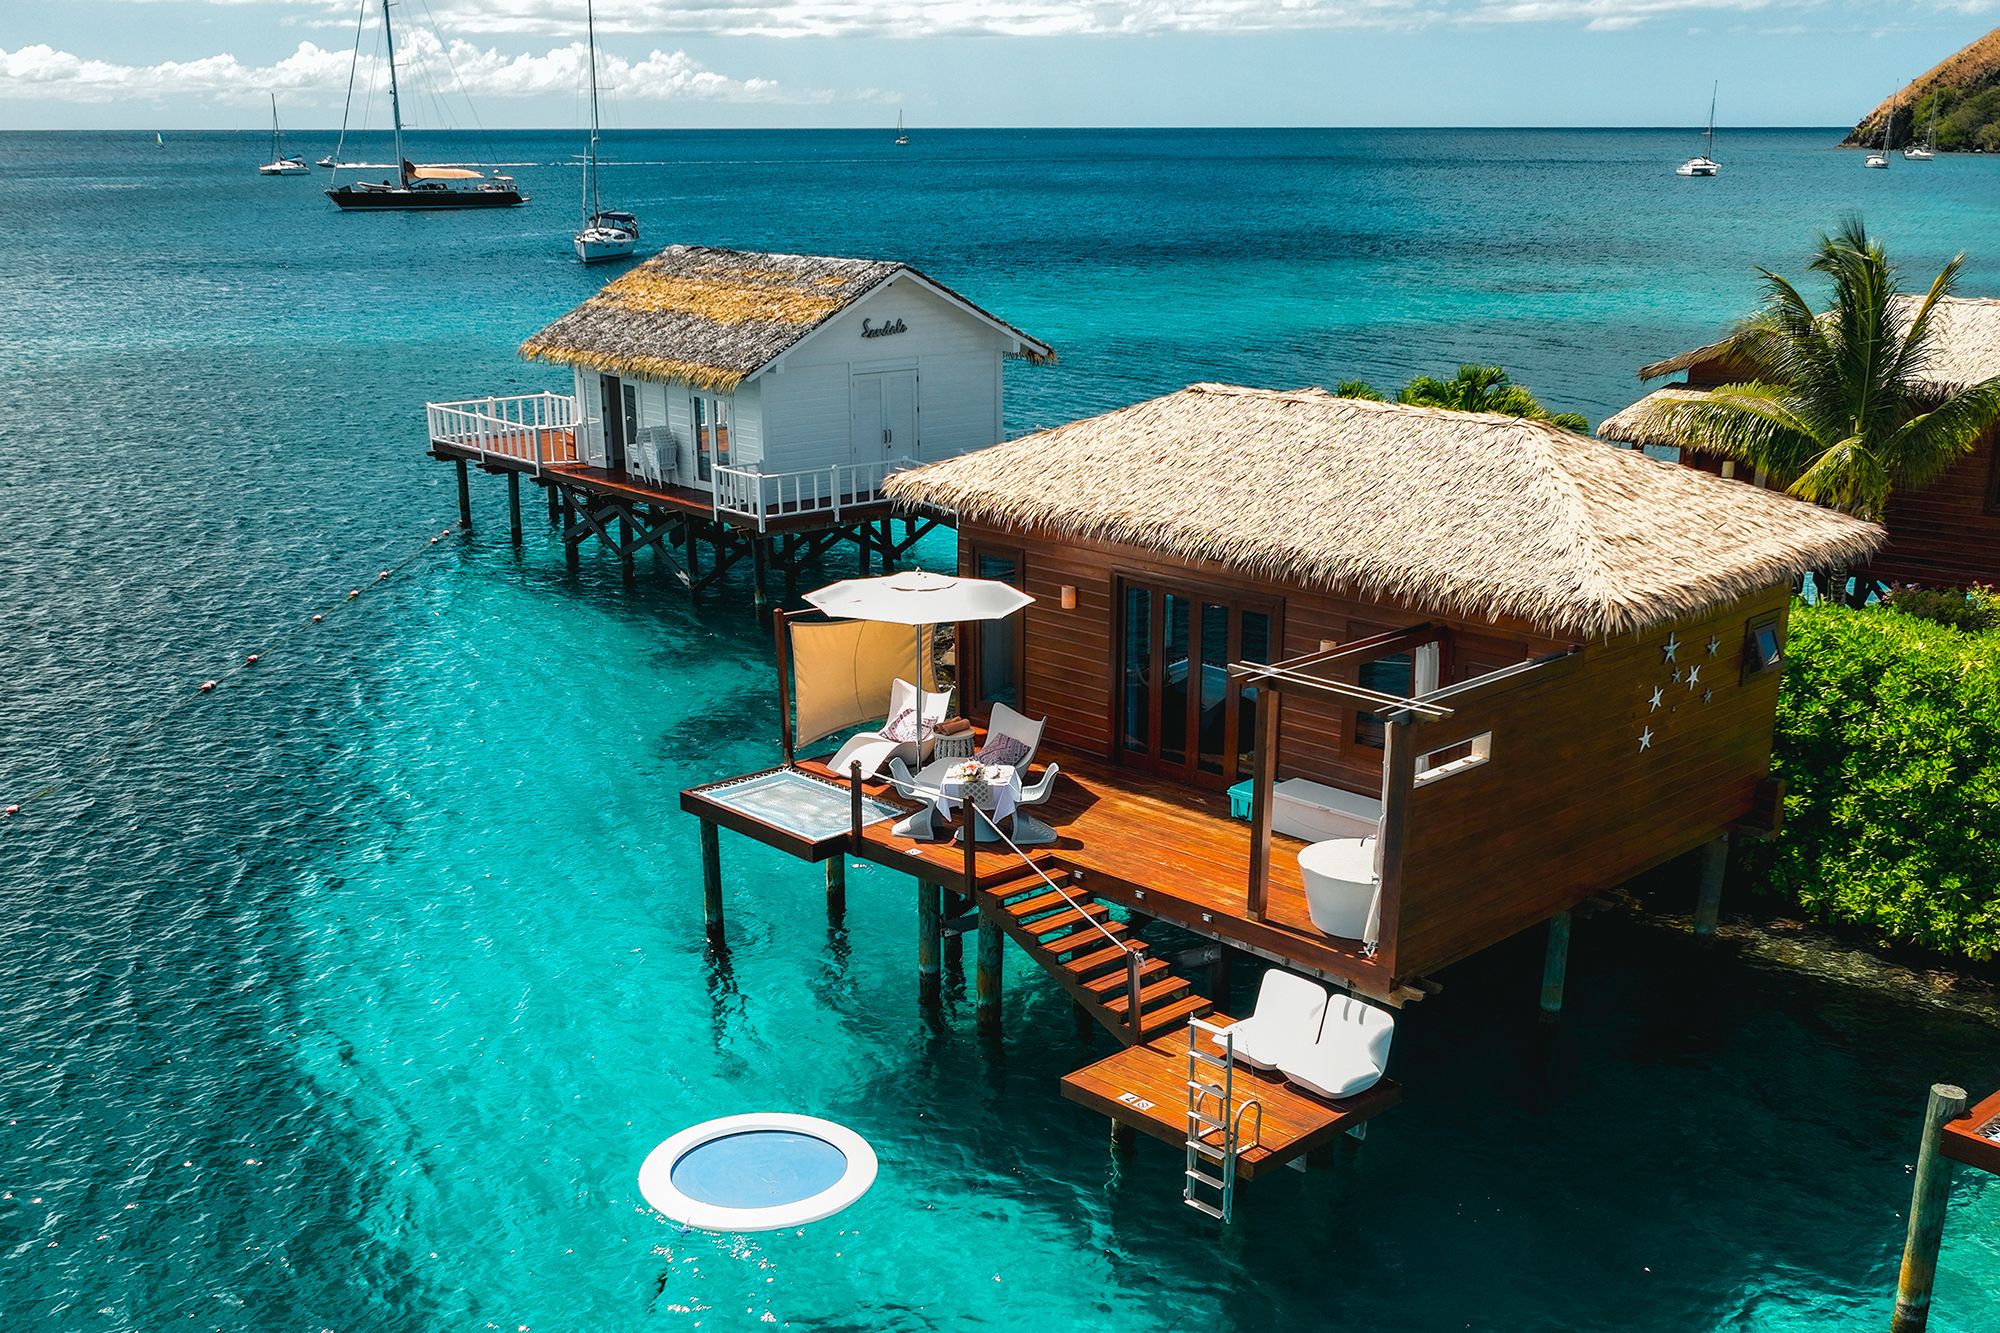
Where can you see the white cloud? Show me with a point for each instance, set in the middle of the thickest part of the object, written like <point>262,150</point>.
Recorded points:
<point>41,71</point>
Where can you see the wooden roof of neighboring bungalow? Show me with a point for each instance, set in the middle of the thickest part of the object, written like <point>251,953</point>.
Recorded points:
<point>713,318</point>
<point>1449,513</point>
<point>1965,349</point>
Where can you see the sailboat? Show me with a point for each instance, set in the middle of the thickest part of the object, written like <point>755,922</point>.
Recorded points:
<point>902,135</point>
<point>603,235</point>
<point>158,142</point>
<point>1925,151</point>
<point>280,165</point>
<point>1704,165</point>
<point>1879,157</point>
<point>415,187</point>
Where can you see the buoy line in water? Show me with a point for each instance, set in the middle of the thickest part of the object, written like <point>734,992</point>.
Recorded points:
<point>276,638</point>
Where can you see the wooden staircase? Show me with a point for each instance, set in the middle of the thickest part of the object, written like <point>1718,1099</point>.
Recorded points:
<point>1088,951</point>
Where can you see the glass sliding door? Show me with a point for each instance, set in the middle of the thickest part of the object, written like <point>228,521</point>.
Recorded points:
<point>994,648</point>
<point>1178,711</point>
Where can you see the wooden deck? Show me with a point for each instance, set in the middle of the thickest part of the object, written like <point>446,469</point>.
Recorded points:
<point>1967,1138</point>
<point>1156,847</point>
<point>1146,1087</point>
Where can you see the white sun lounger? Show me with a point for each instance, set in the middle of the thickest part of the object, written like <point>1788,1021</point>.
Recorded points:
<point>1351,1054</point>
<point>1287,1019</point>
<point>873,750</point>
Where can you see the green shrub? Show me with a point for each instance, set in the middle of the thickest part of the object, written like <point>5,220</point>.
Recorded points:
<point>1976,611</point>
<point>1889,744</point>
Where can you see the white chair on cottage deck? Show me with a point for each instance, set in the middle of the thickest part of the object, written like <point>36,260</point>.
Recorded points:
<point>898,736</point>
<point>1351,1053</point>
<point>1290,1010</point>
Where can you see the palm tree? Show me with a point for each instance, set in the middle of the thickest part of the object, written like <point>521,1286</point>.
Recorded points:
<point>1357,389</point>
<point>1485,389</point>
<point>1838,411</point>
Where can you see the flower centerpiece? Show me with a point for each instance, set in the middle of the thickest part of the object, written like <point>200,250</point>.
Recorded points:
<point>968,771</point>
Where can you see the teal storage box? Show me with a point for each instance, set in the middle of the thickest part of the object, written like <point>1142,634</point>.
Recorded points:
<point>1239,798</point>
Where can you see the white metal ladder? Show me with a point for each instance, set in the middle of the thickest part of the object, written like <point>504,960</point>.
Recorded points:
<point>1210,1185</point>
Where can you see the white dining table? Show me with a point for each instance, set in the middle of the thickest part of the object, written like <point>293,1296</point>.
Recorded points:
<point>1001,794</point>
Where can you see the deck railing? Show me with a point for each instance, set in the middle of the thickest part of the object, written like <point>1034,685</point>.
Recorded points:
<point>750,493</point>
<point>533,428</point>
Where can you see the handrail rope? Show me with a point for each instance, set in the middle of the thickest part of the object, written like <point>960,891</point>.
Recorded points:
<point>208,687</point>
<point>1095,924</point>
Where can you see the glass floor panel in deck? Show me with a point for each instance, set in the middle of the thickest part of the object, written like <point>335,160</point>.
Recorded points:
<point>798,804</point>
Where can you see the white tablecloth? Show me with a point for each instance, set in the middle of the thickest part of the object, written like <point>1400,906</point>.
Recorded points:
<point>1003,782</point>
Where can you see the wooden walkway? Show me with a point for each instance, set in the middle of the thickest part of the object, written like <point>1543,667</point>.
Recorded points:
<point>1146,1087</point>
<point>1155,847</point>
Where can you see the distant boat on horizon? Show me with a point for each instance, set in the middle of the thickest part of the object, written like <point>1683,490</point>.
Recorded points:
<point>1879,157</point>
<point>902,135</point>
<point>1705,164</point>
<point>158,142</point>
<point>417,187</point>
<point>603,235</point>
<point>280,165</point>
<point>1926,149</point>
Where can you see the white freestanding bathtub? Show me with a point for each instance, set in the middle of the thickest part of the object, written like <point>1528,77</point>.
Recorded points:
<point>1341,887</point>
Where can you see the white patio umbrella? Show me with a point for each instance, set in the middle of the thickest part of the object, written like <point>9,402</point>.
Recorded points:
<point>920,600</point>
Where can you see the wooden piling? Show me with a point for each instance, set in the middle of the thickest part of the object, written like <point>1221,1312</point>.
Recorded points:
<point>986,981</point>
<point>930,936</point>
<point>1123,1139</point>
<point>464,497</point>
<point>1220,975</point>
<point>570,542</point>
<point>864,546</point>
<point>555,505</point>
<point>955,906</point>
<point>1708,899</point>
<point>836,889</point>
<point>1928,1199</point>
<point>625,561</point>
<point>1555,966</point>
<point>514,505</point>
<point>760,572</point>
<point>711,882</point>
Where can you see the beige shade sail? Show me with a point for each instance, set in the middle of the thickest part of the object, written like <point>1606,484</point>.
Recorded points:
<point>841,673</point>
<point>445,174</point>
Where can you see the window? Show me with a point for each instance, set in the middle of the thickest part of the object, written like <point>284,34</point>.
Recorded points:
<point>1762,649</point>
<point>1450,759</point>
<point>994,648</point>
<point>1397,675</point>
<point>711,435</point>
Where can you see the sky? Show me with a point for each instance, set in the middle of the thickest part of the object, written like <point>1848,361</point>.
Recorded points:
<point>199,64</point>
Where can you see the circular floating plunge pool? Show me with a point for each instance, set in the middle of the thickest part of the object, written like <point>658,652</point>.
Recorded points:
<point>757,1172</point>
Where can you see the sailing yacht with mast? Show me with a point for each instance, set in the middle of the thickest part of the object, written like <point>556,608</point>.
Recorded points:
<point>1705,164</point>
<point>1927,149</point>
<point>419,187</point>
<point>902,135</point>
<point>1879,157</point>
<point>280,165</point>
<point>603,235</point>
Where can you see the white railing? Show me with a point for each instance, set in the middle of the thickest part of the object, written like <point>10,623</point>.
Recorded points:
<point>748,492</point>
<point>533,428</point>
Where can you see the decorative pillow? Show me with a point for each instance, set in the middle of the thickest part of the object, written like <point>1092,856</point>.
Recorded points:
<point>902,727</point>
<point>1003,750</point>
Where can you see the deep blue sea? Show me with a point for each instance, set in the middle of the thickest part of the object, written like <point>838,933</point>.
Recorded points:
<point>351,995</point>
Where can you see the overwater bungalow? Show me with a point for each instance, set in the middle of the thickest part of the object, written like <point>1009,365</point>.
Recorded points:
<point>1947,533</point>
<point>1356,688</point>
<point>750,404</point>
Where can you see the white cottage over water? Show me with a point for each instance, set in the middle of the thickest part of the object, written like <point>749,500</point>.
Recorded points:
<point>723,369</point>
<point>733,397</point>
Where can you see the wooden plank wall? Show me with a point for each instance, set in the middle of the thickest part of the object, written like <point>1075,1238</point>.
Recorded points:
<point>1568,805</point>
<point>1948,532</point>
<point>1072,677</point>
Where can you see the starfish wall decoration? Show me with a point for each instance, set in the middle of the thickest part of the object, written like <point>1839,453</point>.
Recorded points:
<point>1673,646</point>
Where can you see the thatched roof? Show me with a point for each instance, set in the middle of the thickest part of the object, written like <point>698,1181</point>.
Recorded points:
<point>1965,344</point>
<point>1450,513</point>
<point>713,318</point>
<point>1641,425</point>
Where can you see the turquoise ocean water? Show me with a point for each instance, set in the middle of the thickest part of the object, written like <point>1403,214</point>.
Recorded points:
<point>351,995</point>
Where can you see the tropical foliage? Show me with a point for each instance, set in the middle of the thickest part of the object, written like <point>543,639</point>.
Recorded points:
<point>1472,389</point>
<point>1838,411</point>
<point>1889,746</point>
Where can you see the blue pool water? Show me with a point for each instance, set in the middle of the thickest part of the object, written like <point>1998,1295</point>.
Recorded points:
<point>352,994</point>
<point>759,1169</point>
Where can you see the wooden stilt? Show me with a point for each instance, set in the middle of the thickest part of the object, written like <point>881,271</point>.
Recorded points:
<point>514,505</point>
<point>955,906</point>
<point>791,561</point>
<point>1928,1199</point>
<point>555,507</point>
<point>464,497</point>
<point>1123,1138</point>
<point>930,931</point>
<point>1086,1026</point>
<point>1219,975</point>
<point>986,980</point>
<point>1708,899</point>
<point>711,882</point>
<point>625,562</point>
<point>863,545</point>
<point>760,572</point>
<point>1555,964</point>
<point>570,543</point>
<point>836,889</point>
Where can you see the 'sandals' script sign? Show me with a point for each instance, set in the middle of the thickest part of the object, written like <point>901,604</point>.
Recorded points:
<point>883,330</point>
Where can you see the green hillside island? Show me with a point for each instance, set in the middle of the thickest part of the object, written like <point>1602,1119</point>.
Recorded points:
<point>1964,91</point>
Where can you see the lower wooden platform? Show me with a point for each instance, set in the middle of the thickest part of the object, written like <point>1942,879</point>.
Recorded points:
<point>1145,1087</point>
